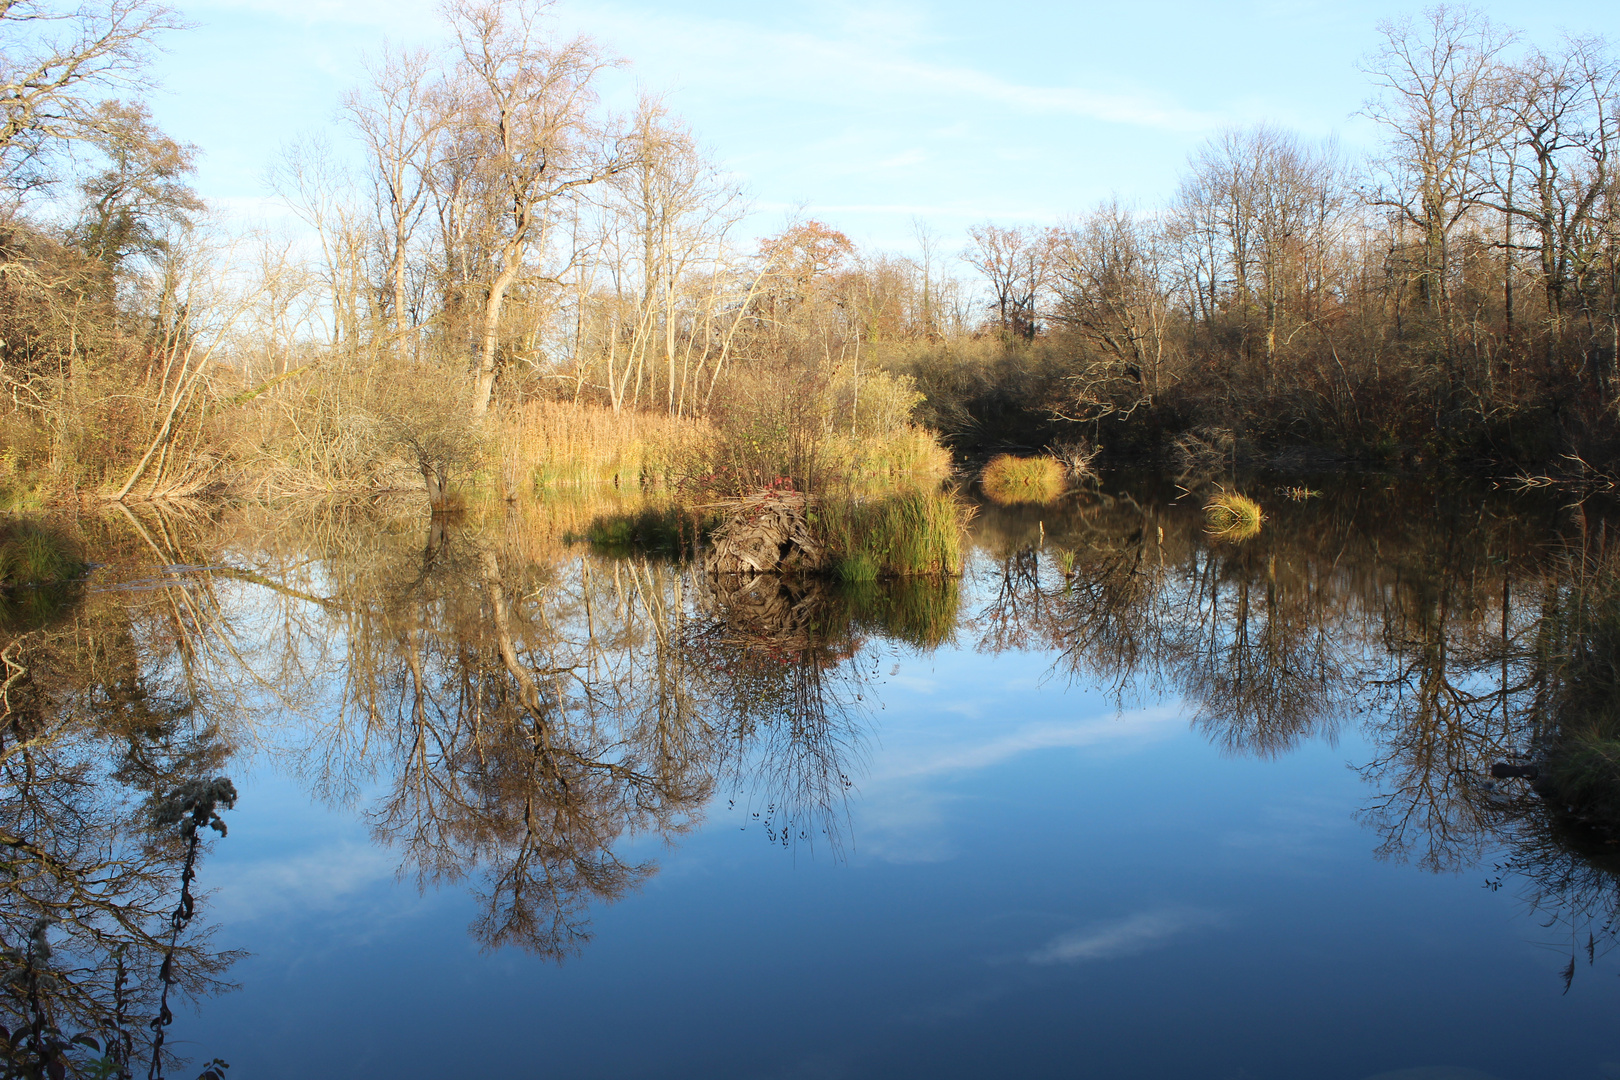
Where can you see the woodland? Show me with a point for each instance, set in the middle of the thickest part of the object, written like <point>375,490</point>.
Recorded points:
<point>499,285</point>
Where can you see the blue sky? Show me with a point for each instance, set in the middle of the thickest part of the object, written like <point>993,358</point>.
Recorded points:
<point>865,115</point>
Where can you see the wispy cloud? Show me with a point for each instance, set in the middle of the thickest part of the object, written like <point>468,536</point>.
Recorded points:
<point>1123,937</point>
<point>322,879</point>
<point>847,63</point>
<point>1146,724</point>
<point>862,54</point>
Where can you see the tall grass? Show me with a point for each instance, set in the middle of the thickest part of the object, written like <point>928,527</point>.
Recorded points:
<point>898,535</point>
<point>549,444</point>
<point>1007,479</point>
<point>31,554</point>
<point>906,456</point>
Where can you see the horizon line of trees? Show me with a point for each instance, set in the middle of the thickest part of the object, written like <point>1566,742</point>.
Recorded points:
<point>497,235</point>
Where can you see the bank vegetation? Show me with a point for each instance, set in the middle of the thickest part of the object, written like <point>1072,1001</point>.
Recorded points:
<point>502,287</point>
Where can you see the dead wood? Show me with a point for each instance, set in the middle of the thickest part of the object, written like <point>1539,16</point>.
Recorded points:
<point>766,531</point>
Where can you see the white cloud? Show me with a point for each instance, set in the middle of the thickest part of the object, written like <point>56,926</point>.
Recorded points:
<point>1123,937</point>
<point>1145,724</point>
<point>323,879</point>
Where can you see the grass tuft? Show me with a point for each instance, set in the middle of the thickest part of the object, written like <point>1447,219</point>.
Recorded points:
<point>1008,479</point>
<point>900,535</point>
<point>1231,516</point>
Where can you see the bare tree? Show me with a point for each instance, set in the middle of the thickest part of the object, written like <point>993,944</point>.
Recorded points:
<point>1563,113</point>
<point>1111,288</point>
<point>399,118</point>
<point>1016,263</point>
<point>530,137</point>
<point>56,65</point>
<point>1441,87</point>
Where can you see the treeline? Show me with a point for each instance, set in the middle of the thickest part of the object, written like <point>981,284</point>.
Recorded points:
<point>1454,297</point>
<point>488,235</point>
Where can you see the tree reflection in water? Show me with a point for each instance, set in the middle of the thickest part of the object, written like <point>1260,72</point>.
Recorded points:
<point>1460,637</point>
<point>106,722</point>
<point>508,713</point>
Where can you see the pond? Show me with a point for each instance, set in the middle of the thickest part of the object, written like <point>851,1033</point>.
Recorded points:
<point>1125,800</point>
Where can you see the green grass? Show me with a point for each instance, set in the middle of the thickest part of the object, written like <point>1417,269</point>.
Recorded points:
<point>899,535</point>
<point>660,530</point>
<point>1008,479</point>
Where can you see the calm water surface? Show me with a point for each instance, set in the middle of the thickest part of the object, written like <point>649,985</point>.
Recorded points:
<point>1125,801</point>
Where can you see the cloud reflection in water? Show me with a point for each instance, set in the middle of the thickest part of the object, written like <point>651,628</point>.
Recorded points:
<point>1122,937</point>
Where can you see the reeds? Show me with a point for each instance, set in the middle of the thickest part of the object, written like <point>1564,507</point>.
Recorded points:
<point>549,444</point>
<point>1230,516</point>
<point>899,535</point>
<point>1008,479</point>
<point>906,456</point>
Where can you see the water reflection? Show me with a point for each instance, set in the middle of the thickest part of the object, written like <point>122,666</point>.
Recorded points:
<point>1475,642</point>
<point>507,711</point>
<point>107,734</point>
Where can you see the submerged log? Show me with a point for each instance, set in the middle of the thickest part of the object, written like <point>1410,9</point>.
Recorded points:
<point>765,532</point>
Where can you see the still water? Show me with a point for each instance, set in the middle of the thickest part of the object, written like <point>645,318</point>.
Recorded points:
<point>1124,801</point>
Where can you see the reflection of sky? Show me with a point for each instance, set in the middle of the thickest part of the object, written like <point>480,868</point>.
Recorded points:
<point>1034,885</point>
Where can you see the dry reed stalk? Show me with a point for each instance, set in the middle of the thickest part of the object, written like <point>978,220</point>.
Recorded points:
<point>548,444</point>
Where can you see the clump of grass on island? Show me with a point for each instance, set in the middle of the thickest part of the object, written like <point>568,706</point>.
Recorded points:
<point>31,554</point>
<point>1231,516</point>
<point>905,534</point>
<point>659,529</point>
<point>1008,479</point>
